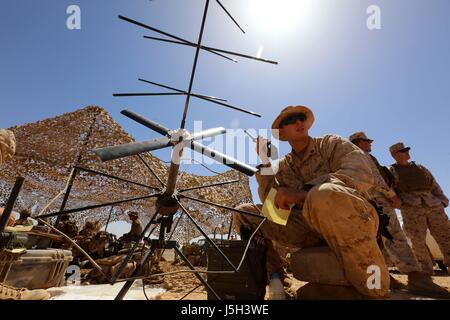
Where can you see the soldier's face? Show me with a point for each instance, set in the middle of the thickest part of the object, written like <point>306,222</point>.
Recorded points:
<point>365,145</point>
<point>294,131</point>
<point>402,156</point>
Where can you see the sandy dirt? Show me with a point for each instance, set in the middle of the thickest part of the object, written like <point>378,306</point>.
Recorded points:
<point>179,285</point>
<point>186,286</point>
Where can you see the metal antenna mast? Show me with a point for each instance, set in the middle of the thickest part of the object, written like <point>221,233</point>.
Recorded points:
<point>168,198</point>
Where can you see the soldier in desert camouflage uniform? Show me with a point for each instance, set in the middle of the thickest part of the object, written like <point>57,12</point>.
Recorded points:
<point>327,179</point>
<point>68,227</point>
<point>422,208</point>
<point>397,251</point>
<point>136,228</point>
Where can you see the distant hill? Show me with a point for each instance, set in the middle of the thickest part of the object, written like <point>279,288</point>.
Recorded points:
<point>47,149</point>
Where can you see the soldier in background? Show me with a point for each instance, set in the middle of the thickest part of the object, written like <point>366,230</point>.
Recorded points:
<point>136,228</point>
<point>326,179</point>
<point>87,234</point>
<point>397,251</point>
<point>67,226</point>
<point>422,208</point>
<point>90,229</point>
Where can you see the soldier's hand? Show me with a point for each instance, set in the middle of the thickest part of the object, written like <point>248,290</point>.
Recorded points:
<point>287,197</point>
<point>261,144</point>
<point>395,202</point>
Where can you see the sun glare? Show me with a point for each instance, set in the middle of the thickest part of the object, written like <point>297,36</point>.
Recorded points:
<point>282,17</point>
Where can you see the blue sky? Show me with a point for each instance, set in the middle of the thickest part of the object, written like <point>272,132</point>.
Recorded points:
<point>392,83</point>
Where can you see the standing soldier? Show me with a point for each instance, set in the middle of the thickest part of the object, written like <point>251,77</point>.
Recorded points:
<point>422,208</point>
<point>7,151</point>
<point>398,250</point>
<point>326,179</point>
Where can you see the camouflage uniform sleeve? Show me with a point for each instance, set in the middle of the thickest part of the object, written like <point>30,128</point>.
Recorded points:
<point>7,145</point>
<point>386,191</point>
<point>349,166</point>
<point>435,188</point>
<point>394,173</point>
<point>379,183</point>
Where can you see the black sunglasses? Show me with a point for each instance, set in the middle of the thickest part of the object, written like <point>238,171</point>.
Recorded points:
<point>293,119</point>
<point>403,150</point>
<point>356,141</point>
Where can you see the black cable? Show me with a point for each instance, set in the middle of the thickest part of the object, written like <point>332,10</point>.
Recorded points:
<point>190,291</point>
<point>143,289</point>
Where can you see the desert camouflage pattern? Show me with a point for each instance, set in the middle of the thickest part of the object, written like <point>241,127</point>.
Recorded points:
<point>422,210</point>
<point>336,211</point>
<point>7,145</point>
<point>398,252</point>
<point>432,198</point>
<point>135,232</point>
<point>416,221</point>
<point>380,189</point>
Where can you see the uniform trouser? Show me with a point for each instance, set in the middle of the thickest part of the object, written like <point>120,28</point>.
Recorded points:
<point>336,216</point>
<point>416,221</point>
<point>399,252</point>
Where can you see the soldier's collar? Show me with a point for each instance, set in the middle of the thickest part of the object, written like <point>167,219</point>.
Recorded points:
<point>310,149</point>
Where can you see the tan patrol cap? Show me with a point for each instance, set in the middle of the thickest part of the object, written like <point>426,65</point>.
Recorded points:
<point>359,135</point>
<point>399,146</point>
<point>288,111</point>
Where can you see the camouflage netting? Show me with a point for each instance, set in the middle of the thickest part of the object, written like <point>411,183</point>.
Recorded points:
<point>47,150</point>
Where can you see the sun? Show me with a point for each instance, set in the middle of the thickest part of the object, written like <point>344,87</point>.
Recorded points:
<point>282,17</point>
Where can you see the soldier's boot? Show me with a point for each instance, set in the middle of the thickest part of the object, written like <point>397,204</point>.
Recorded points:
<point>11,293</point>
<point>421,283</point>
<point>395,284</point>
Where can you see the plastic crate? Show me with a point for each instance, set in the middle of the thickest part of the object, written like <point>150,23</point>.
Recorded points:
<point>39,269</point>
<point>7,258</point>
<point>249,283</point>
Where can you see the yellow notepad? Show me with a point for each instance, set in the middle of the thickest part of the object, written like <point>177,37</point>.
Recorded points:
<point>272,213</point>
